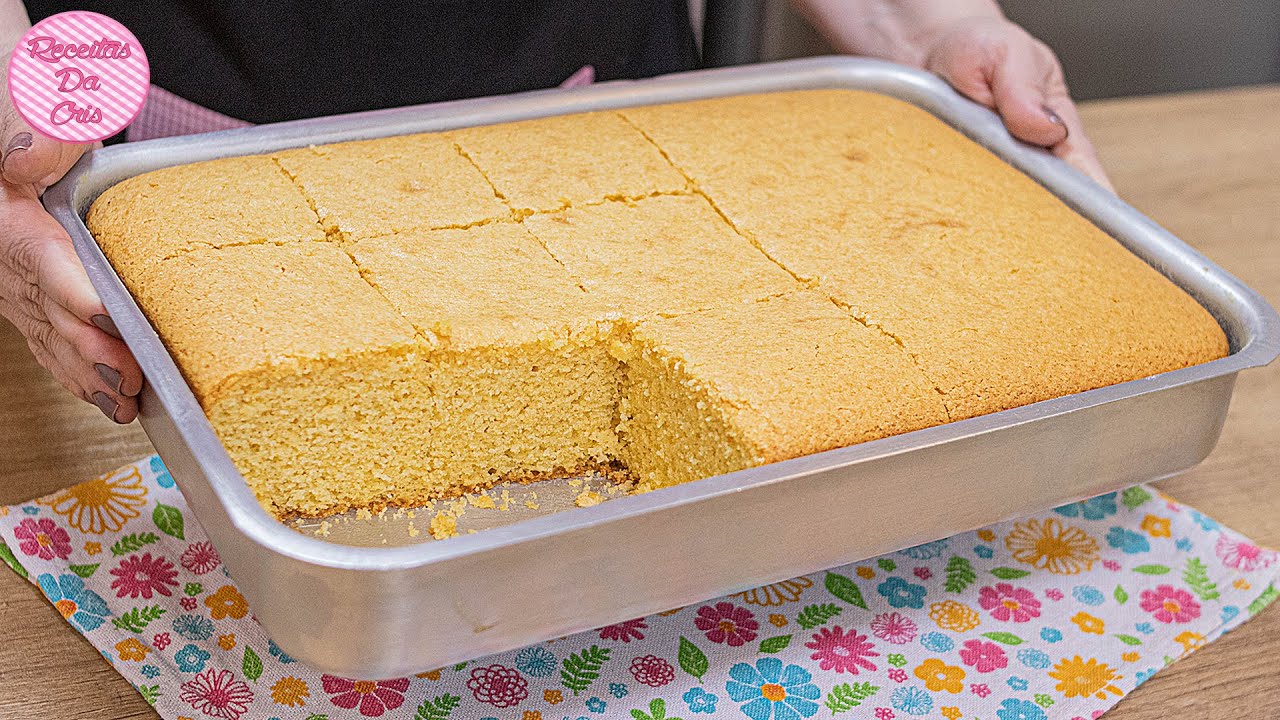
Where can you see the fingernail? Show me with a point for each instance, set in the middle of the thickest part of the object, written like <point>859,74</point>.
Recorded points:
<point>1054,117</point>
<point>106,325</point>
<point>21,141</point>
<point>109,375</point>
<point>106,404</point>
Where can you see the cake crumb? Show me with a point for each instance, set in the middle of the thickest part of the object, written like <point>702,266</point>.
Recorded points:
<point>458,507</point>
<point>575,482</point>
<point>481,501</point>
<point>443,526</point>
<point>587,498</point>
<point>471,531</point>
<point>413,531</point>
<point>506,501</point>
<point>531,504</point>
<point>323,530</point>
<point>364,514</point>
<point>411,514</point>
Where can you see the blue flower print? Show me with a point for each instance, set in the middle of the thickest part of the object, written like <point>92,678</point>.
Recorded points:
<point>700,701</point>
<point>1143,675</point>
<point>536,661</point>
<point>149,671</point>
<point>1034,659</point>
<point>278,654</point>
<point>193,627</point>
<point>926,551</point>
<point>1092,509</point>
<point>1088,595</point>
<point>1144,628</point>
<point>911,700</point>
<point>1013,709</point>
<point>595,705</point>
<point>1184,545</point>
<point>191,658</point>
<point>163,478</point>
<point>937,642</point>
<point>82,607</point>
<point>1229,613</point>
<point>1017,683</point>
<point>30,510</point>
<point>1204,521</point>
<point>984,552</point>
<point>1050,635</point>
<point>618,690</point>
<point>771,691</point>
<point>1128,541</point>
<point>901,593</point>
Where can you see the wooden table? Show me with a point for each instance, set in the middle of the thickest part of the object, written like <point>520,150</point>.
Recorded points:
<point>1206,165</point>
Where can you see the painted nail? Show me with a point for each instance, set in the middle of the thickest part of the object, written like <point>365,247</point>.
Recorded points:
<point>1054,118</point>
<point>106,325</point>
<point>109,375</point>
<point>106,404</point>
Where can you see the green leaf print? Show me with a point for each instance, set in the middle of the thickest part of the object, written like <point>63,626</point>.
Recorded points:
<point>1152,570</point>
<point>1196,576</point>
<point>844,588</point>
<point>1266,598</point>
<point>846,697</point>
<point>1134,496</point>
<point>814,615</point>
<point>252,665</point>
<point>775,644</point>
<point>459,666</point>
<point>317,716</point>
<point>657,711</point>
<point>11,560</point>
<point>960,574</point>
<point>437,708</point>
<point>169,519</point>
<point>580,669</point>
<point>84,571</point>
<point>1008,573</point>
<point>132,543</point>
<point>692,659</point>
<point>150,693</point>
<point>137,619</point>
<point>1128,640</point>
<point>887,565</point>
<point>1003,637</point>
<point>1121,596</point>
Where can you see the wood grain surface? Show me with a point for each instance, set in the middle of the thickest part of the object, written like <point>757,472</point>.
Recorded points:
<point>1205,165</point>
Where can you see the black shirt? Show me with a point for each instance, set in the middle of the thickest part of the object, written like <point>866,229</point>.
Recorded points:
<point>265,61</point>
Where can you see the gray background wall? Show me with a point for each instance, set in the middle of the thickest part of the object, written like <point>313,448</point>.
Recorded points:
<point>1115,47</point>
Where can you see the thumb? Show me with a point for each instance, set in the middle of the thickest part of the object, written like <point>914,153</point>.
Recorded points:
<point>1025,88</point>
<point>30,158</point>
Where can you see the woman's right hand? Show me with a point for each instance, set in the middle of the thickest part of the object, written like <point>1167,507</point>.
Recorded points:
<point>44,291</point>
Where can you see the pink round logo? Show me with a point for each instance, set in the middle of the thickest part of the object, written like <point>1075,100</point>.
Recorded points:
<point>78,77</point>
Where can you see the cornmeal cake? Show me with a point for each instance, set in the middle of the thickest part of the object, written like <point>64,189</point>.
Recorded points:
<point>670,291</point>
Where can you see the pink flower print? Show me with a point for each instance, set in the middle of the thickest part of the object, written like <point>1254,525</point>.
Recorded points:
<point>898,675</point>
<point>834,649</point>
<point>1111,565</point>
<point>884,713</point>
<point>188,603</point>
<point>42,538</point>
<point>981,690</point>
<point>624,631</point>
<point>983,656</point>
<point>200,558</point>
<point>142,575</point>
<point>1009,603</point>
<point>1242,555</point>
<point>218,694</point>
<point>1169,604</point>
<point>1054,594</point>
<point>372,698</point>
<point>652,671</point>
<point>923,573</point>
<point>161,641</point>
<point>726,623</point>
<point>894,628</point>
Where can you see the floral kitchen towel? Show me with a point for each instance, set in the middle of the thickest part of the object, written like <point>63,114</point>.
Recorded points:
<point>1054,616</point>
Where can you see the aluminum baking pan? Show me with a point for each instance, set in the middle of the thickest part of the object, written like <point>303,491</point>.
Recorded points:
<point>391,611</point>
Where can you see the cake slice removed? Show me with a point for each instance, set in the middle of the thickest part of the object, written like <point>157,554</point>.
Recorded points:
<point>750,383</point>
<point>368,188</point>
<point>664,255</point>
<point>312,381</point>
<point>554,162</point>
<point>521,371</point>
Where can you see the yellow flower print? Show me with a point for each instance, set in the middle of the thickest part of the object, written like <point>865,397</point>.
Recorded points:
<point>778,620</point>
<point>1241,584</point>
<point>951,713</point>
<point>290,691</point>
<point>553,697</point>
<point>986,535</point>
<point>1156,526</point>
<point>227,642</point>
<point>1131,657</point>
<point>104,504</point>
<point>431,675</point>
<point>1190,641</point>
<point>1050,545</point>
<point>668,613</point>
<point>1089,624</point>
<point>4,510</point>
<point>939,676</point>
<point>227,602</point>
<point>1081,678</point>
<point>132,649</point>
<point>866,573</point>
<point>954,616</point>
<point>531,715</point>
<point>779,593</point>
<point>93,548</point>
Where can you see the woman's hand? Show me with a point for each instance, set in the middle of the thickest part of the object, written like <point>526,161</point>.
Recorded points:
<point>44,291</point>
<point>971,45</point>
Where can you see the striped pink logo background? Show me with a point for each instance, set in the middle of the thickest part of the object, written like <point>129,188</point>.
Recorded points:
<point>49,75</point>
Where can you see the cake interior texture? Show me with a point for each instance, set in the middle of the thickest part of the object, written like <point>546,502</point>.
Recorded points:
<point>671,292</point>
